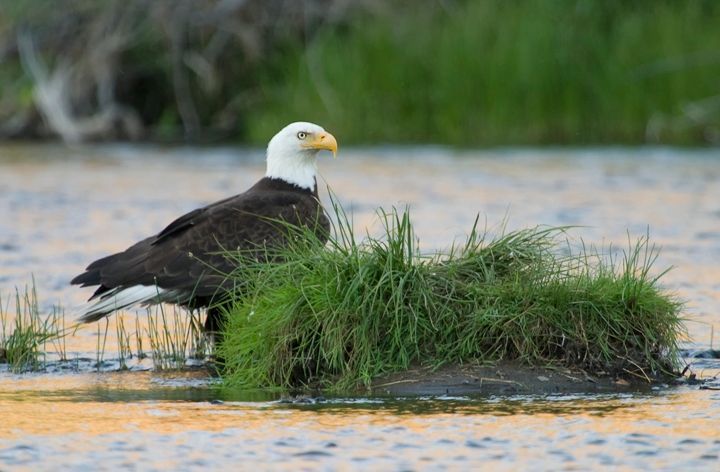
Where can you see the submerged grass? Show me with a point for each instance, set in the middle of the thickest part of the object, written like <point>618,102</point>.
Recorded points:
<point>30,340</point>
<point>174,336</point>
<point>337,317</point>
<point>24,340</point>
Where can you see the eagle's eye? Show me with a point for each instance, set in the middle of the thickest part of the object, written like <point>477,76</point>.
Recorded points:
<point>302,135</point>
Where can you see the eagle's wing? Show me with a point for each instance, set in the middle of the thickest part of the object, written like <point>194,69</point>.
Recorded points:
<point>185,260</point>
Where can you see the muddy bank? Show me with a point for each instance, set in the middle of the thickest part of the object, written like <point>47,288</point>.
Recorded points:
<point>504,378</point>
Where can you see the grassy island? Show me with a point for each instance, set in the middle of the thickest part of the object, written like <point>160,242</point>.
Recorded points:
<point>339,316</point>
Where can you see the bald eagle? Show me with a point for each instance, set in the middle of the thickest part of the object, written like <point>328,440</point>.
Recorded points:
<point>184,263</point>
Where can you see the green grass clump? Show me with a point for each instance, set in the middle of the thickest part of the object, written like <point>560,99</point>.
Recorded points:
<point>338,316</point>
<point>24,339</point>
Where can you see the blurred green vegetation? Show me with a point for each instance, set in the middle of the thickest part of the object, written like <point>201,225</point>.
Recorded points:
<point>499,72</point>
<point>454,72</point>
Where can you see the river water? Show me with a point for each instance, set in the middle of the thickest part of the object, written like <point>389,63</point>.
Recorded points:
<point>64,207</point>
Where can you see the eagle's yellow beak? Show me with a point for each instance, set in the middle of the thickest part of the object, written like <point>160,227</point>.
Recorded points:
<point>324,141</point>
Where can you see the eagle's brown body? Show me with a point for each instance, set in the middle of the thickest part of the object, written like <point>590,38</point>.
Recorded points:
<point>184,263</point>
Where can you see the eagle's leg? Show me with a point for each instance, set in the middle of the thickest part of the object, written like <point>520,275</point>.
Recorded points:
<point>214,330</point>
<point>214,320</point>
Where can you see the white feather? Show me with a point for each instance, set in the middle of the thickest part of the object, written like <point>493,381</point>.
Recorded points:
<point>288,160</point>
<point>126,297</point>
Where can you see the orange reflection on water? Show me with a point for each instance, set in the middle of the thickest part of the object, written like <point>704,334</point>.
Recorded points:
<point>86,415</point>
<point>113,403</point>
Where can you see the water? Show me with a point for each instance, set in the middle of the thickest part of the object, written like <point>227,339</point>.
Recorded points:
<point>63,208</point>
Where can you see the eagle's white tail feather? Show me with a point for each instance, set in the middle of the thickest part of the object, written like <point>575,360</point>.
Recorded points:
<point>124,298</point>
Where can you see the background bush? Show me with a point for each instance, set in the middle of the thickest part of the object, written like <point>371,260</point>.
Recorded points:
<point>457,72</point>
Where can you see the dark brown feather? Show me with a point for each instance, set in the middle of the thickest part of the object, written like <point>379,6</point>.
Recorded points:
<point>185,256</point>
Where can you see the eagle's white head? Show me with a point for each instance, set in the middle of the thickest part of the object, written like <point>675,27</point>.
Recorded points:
<point>291,153</point>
